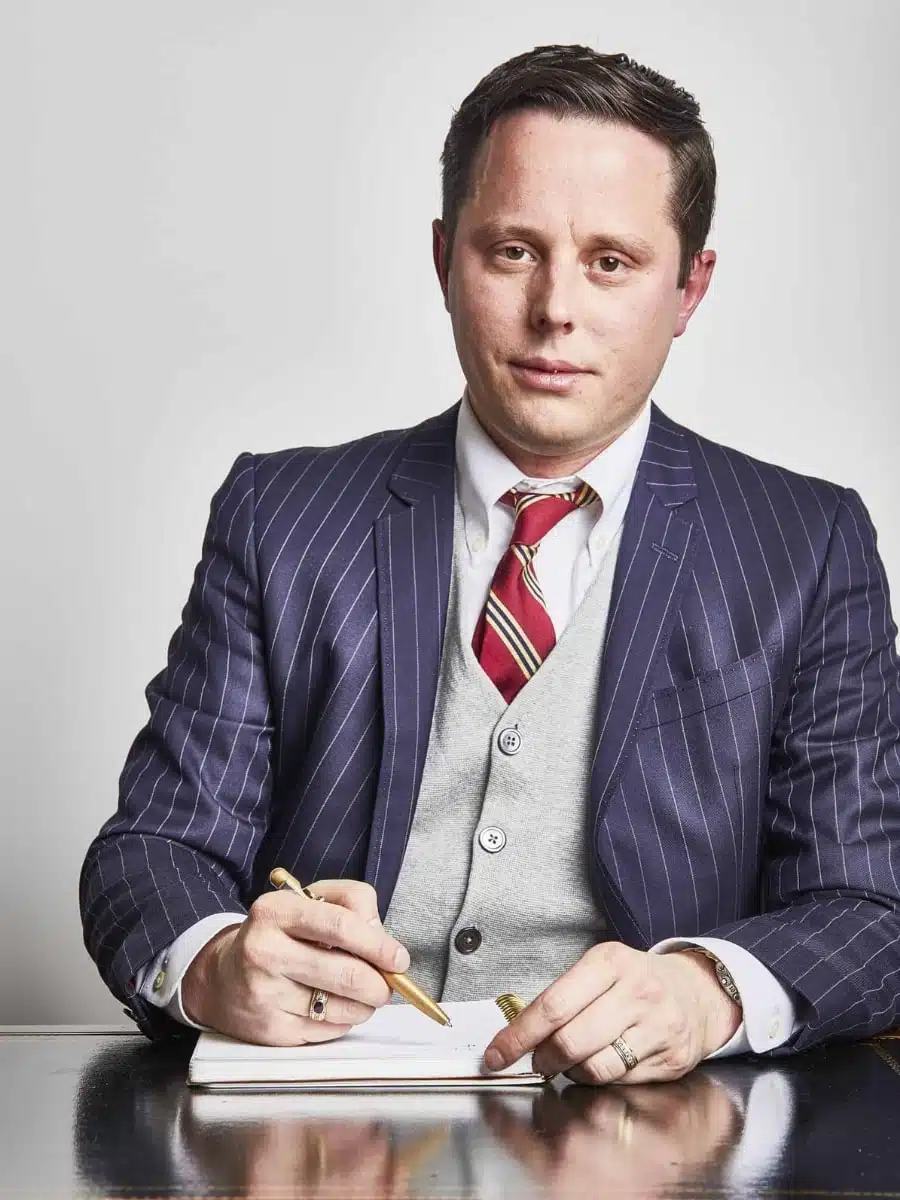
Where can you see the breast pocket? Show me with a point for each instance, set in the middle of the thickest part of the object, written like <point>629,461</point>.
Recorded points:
<point>710,689</point>
<point>696,783</point>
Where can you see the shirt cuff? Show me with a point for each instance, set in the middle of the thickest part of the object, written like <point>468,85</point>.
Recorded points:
<point>769,1013</point>
<point>160,980</point>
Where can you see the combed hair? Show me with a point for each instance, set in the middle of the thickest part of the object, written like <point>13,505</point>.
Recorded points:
<point>578,81</point>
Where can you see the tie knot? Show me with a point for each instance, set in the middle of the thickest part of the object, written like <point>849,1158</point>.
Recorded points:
<point>538,512</point>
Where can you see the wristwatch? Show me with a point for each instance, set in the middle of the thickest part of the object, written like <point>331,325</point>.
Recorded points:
<point>724,976</point>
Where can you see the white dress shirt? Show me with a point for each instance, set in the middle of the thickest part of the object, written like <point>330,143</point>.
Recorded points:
<point>566,565</point>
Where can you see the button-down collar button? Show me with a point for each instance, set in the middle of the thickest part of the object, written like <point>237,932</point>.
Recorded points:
<point>468,940</point>
<point>774,1027</point>
<point>159,981</point>
<point>510,741</point>
<point>477,543</point>
<point>492,839</point>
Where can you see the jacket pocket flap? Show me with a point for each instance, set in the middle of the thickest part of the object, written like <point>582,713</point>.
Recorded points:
<point>710,689</point>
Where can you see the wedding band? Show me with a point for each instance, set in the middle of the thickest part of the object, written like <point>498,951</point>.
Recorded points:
<point>318,1002</point>
<point>625,1052</point>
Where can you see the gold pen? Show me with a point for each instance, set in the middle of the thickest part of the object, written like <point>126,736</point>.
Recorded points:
<point>410,991</point>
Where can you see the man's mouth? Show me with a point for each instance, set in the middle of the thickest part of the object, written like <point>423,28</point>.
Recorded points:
<point>548,366</point>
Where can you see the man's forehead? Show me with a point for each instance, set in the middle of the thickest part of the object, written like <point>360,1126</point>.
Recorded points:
<point>536,142</point>
<point>534,154</point>
<point>536,170</point>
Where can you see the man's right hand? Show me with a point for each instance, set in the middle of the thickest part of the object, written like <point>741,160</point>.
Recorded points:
<point>254,981</point>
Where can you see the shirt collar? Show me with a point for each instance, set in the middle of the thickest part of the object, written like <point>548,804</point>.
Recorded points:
<point>484,473</point>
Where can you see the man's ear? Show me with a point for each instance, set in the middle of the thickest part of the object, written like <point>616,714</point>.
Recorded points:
<point>695,288</point>
<point>439,254</point>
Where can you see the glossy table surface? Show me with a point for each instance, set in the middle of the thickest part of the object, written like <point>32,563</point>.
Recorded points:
<point>108,1114</point>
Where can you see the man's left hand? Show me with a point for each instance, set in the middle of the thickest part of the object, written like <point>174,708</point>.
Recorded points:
<point>670,1009</point>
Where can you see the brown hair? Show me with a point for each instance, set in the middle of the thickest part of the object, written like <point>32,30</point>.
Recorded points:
<point>578,81</point>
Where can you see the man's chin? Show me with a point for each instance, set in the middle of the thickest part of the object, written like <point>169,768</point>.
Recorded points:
<point>542,440</point>
<point>546,425</point>
<point>535,423</point>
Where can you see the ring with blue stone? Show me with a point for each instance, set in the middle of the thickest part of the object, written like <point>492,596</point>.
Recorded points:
<point>318,1002</point>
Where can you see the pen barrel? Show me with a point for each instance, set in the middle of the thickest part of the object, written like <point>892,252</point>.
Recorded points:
<point>404,986</point>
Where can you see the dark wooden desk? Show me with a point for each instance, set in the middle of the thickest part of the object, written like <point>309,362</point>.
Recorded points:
<point>90,1114</point>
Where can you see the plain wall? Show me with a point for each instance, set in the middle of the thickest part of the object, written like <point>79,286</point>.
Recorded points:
<point>215,237</point>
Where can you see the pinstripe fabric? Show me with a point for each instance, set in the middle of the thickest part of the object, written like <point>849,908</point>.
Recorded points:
<point>746,776</point>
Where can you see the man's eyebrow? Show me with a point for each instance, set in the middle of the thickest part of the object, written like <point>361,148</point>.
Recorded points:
<point>628,244</point>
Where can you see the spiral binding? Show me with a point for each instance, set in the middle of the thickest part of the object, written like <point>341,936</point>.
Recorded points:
<point>510,1005</point>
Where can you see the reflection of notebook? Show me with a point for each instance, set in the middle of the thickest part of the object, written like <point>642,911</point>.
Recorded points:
<point>396,1048</point>
<point>409,1109</point>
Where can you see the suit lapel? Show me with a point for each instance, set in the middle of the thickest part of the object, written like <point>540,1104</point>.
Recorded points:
<point>413,549</point>
<point>653,568</point>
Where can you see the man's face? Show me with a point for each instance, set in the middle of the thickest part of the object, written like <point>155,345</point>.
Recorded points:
<point>564,250</point>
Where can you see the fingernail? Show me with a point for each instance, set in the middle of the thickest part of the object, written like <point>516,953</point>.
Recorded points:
<point>401,959</point>
<point>493,1058</point>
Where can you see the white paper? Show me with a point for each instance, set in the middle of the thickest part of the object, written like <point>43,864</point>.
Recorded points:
<point>397,1042</point>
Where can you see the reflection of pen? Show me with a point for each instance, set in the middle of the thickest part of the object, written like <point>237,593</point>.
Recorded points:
<point>399,983</point>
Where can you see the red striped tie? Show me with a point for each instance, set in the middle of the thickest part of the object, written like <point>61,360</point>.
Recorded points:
<point>514,633</point>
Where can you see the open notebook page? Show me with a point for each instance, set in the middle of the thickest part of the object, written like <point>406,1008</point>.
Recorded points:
<point>397,1042</point>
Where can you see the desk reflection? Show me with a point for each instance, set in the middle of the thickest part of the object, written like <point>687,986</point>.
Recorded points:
<point>140,1130</point>
<point>648,1138</point>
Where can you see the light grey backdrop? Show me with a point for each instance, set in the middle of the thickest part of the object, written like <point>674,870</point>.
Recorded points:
<point>215,237</point>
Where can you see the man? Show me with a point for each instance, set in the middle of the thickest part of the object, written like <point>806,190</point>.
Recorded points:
<point>558,697</point>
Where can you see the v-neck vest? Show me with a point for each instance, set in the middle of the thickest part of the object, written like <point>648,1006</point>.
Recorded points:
<point>493,893</point>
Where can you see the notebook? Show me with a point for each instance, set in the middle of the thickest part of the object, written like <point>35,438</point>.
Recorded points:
<point>396,1049</point>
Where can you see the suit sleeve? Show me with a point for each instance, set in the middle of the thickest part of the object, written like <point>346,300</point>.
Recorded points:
<point>195,789</point>
<point>830,925</point>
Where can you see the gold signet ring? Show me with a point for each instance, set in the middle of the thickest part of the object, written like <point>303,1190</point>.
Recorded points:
<point>318,1002</point>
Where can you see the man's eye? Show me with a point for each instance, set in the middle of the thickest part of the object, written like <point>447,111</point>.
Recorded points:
<point>609,263</point>
<point>515,250</point>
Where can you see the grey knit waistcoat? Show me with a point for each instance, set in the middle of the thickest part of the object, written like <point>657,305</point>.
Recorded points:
<point>493,892</point>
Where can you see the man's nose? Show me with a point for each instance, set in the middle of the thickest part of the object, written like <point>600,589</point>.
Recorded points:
<point>556,296</point>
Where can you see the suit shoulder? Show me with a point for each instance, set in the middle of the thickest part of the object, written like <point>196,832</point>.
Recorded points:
<point>284,469</point>
<point>747,499</point>
<point>342,481</point>
<point>719,466</point>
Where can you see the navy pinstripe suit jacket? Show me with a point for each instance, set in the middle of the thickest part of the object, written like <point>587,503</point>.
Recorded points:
<point>746,776</point>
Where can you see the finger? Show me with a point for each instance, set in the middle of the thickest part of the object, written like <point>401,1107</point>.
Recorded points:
<point>334,925</point>
<point>340,975</point>
<point>553,1008</point>
<point>655,1068</point>
<point>283,1028</point>
<point>588,1031</point>
<point>606,1065</point>
<point>359,897</point>
<point>339,1010</point>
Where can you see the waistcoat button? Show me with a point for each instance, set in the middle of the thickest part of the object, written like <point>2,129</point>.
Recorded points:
<point>467,940</point>
<point>510,741</point>
<point>492,839</point>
